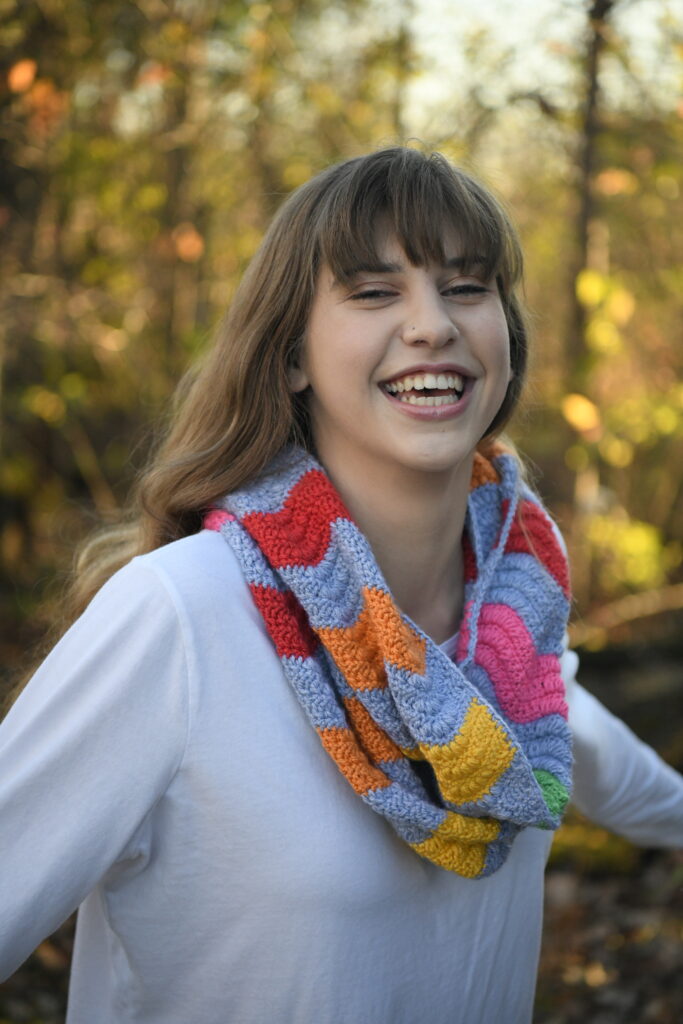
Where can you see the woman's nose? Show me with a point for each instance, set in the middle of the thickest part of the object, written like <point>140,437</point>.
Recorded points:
<point>428,323</point>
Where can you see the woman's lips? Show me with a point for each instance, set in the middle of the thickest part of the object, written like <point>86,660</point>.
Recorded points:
<point>448,410</point>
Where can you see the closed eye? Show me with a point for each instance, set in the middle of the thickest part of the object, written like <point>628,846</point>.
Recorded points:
<point>372,293</point>
<point>466,290</point>
<point>462,291</point>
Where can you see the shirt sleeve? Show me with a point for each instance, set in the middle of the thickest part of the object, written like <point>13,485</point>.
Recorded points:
<point>85,753</point>
<point>619,781</point>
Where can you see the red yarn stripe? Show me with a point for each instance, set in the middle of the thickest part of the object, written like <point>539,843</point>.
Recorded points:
<point>532,534</point>
<point>469,561</point>
<point>299,534</point>
<point>286,621</point>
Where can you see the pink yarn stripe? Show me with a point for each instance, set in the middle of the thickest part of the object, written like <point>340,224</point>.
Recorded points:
<point>214,519</point>
<point>527,685</point>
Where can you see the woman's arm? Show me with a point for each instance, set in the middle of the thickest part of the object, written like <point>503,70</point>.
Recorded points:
<point>85,753</point>
<point>619,781</point>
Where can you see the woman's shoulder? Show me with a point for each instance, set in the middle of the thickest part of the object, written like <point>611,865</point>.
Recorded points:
<point>202,559</point>
<point>198,573</point>
<point>188,595</point>
<point>182,584</point>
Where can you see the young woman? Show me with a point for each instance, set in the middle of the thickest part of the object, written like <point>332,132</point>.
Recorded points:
<point>300,759</point>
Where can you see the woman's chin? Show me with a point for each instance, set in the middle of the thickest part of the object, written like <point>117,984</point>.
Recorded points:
<point>437,459</point>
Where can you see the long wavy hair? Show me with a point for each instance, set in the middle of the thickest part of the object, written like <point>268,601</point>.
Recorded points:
<point>235,410</point>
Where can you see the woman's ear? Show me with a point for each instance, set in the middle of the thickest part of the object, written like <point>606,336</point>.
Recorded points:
<point>298,381</point>
<point>296,375</point>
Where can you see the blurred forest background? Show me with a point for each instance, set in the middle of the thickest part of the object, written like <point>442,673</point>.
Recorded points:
<point>143,148</point>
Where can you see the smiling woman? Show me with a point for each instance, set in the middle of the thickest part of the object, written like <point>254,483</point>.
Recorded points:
<point>376,338</point>
<point>301,756</point>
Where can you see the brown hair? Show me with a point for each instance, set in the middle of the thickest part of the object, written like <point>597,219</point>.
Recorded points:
<point>236,411</point>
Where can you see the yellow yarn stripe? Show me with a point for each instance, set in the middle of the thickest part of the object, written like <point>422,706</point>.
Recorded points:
<point>459,844</point>
<point>472,762</point>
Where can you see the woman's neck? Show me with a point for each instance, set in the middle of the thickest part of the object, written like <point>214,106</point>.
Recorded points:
<point>414,522</point>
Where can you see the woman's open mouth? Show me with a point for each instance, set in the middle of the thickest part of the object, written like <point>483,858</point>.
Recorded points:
<point>428,390</point>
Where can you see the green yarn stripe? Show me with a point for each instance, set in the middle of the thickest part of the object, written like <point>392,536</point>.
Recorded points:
<point>554,793</point>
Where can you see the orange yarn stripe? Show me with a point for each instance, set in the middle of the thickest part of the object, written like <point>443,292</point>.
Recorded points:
<point>400,645</point>
<point>379,632</point>
<point>483,472</point>
<point>343,747</point>
<point>374,740</point>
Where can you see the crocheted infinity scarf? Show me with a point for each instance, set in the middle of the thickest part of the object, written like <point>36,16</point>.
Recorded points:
<point>457,755</point>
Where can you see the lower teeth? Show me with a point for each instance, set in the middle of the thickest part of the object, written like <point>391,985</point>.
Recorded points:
<point>430,400</point>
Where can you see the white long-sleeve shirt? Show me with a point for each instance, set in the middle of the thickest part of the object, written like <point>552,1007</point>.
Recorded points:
<point>159,772</point>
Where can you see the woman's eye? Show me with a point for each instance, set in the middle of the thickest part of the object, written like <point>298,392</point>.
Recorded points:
<point>371,293</point>
<point>466,290</point>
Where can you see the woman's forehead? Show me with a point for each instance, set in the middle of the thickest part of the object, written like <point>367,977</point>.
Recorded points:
<point>388,253</point>
<point>390,248</point>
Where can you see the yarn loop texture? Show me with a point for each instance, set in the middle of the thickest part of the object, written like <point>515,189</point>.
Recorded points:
<point>456,754</point>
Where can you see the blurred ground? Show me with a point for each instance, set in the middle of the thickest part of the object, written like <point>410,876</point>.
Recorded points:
<point>613,945</point>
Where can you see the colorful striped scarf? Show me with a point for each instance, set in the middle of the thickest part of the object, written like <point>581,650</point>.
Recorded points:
<point>457,754</point>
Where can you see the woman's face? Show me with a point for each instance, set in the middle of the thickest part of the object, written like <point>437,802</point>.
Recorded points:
<point>406,365</point>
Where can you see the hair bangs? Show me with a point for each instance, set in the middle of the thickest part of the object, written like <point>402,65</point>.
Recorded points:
<point>427,205</point>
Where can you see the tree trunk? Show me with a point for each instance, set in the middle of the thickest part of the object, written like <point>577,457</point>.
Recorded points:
<point>590,128</point>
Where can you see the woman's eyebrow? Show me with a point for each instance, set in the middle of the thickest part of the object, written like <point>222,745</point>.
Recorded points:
<point>376,268</point>
<point>452,263</point>
<point>347,276</point>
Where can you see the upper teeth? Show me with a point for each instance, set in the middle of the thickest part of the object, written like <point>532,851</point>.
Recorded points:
<point>420,381</point>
